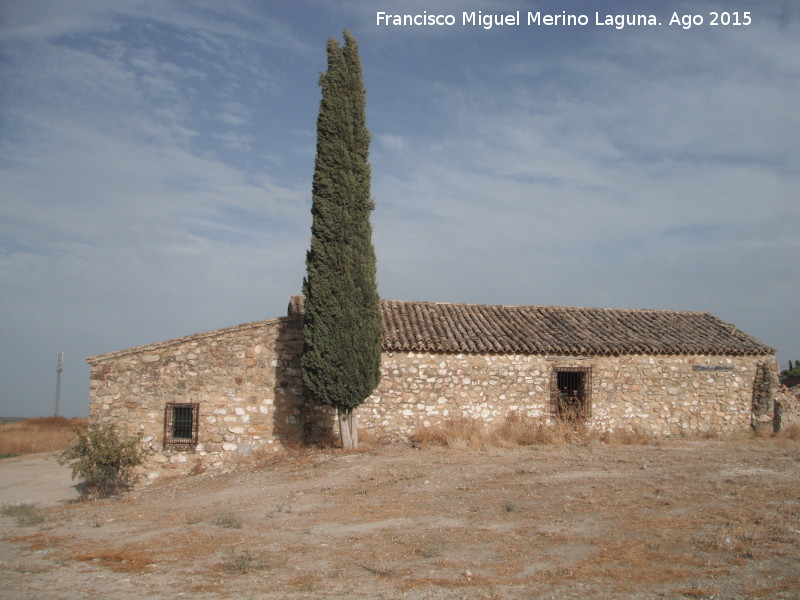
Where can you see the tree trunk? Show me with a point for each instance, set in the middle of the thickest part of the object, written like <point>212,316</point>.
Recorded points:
<point>348,428</point>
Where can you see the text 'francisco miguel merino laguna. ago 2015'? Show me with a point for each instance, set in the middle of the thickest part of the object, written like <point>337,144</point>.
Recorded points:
<point>563,19</point>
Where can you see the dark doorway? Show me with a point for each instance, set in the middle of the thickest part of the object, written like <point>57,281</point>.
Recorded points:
<point>571,398</point>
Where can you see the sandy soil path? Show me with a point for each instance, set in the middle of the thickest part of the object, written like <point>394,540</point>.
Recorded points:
<point>35,479</point>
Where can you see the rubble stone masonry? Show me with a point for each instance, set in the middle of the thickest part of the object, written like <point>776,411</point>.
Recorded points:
<point>246,381</point>
<point>247,384</point>
<point>661,395</point>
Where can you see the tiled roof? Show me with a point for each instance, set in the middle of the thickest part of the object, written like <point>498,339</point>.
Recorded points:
<point>441,327</point>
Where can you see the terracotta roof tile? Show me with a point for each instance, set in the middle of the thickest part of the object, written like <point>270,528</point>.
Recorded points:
<point>442,327</point>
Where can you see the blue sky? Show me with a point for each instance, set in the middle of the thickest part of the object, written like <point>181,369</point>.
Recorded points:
<point>156,161</point>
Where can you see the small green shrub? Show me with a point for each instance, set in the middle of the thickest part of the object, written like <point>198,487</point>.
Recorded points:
<point>102,458</point>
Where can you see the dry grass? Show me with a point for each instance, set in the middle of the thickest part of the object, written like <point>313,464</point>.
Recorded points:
<point>228,520</point>
<point>119,561</point>
<point>790,432</point>
<point>38,435</point>
<point>456,433</point>
<point>518,430</point>
<point>295,455</point>
<point>239,563</point>
<point>624,437</point>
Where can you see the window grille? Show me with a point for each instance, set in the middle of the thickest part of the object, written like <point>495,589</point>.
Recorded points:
<point>571,393</point>
<point>181,425</point>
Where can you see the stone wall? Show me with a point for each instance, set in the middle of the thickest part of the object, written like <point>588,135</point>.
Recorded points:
<point>787,408</point>
<point>663,395</point>
<point>246,381</point>
<point>247,384</point>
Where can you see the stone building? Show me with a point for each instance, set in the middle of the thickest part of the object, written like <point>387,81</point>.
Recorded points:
<point>212,396</point>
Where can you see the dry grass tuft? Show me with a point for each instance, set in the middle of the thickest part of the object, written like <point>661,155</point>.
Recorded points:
<point>117,560</point>
<point>790,432</point>
<point>695,592</point>
<point>624,437</point>
<point>380,568</point>
<point>38,435</point>
<point>518,430</point>
<point>240,563</point>
<point>762,432</point>
<point>228,520</point>
<point>456,433</point>
<point>292,455</point>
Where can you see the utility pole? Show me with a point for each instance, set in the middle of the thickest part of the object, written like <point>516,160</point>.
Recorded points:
<point>58,380</point>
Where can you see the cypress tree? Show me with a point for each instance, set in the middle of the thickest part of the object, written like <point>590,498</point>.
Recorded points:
<point>342,324</point>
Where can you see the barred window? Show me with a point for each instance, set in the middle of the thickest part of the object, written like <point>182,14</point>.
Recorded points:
<point>571,393</point>
<point>181,424</point>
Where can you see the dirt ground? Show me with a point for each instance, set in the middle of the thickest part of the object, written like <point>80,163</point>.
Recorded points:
<point>679,519</point>
<point>35,478</point>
